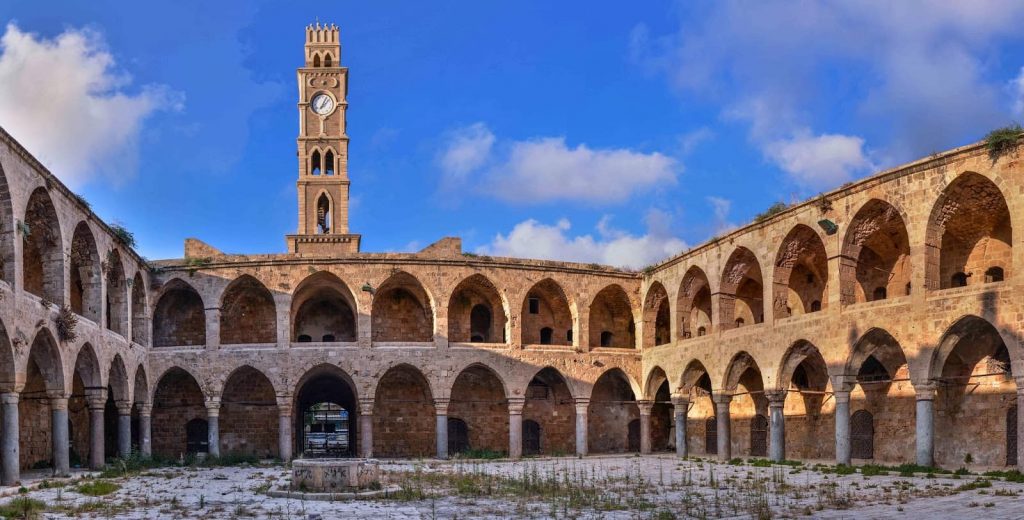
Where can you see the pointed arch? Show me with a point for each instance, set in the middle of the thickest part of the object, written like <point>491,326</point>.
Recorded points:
<point>326,398</point>
<point>140,310</point>
<point>316,59</point>
<point>117,294</point>
<point>476,312</point>
<point>44,378</point>
<point>741,300</point>
<point>8,231</point>
<point>329,162</point>
<point>802,368</point>
<point>141,386</point>
<point>611,319</point>
<point>324,309</point>
<point>547,317</point>
<point>179,405</point>
<point>402,310</point>
<point>327,60</point>
<point>315,163</point>
<point>324,213</point>
<point>249,414</point>
<point>657,316</point>
<point>42,249</point>
<point>612,409</point>
<point>8,367</point>
<point>969,234</point>
<point>179,318</point>
<point>45,355</point>
<point>875,263</point>
<point>693,304</point>
<point>117,380</point>
<point>875,357</point>
<point>478,399</point>
<point>743,370</point>
<point>248,313</point>
<point>85,273</point>
<point>655,378</point>
<point>403,414</point>
<point>549,404</point>
<point>801,273</point>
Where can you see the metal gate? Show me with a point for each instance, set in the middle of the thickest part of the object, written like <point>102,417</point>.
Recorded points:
<point>197,436</point>
<point>711,436</point>
<point>759,436</point>
<point>862,435</point>
<point>531,438</point>
<point>1011,436</point>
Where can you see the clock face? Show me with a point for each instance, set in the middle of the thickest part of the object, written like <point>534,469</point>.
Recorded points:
<point>322,104</point>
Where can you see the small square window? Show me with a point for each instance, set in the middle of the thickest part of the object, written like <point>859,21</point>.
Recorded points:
<point>534,306</point>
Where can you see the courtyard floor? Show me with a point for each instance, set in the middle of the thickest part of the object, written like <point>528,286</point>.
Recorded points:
<point>659,486</point>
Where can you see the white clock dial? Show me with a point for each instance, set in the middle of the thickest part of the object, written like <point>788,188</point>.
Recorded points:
<point>322,104</point>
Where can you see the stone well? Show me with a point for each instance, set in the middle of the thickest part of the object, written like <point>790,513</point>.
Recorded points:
<point>333,475</point>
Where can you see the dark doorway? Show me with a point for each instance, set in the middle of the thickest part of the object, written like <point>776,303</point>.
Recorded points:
<point>325,422</point>
<point>758,436</point>
<point>458,436</point>
<point>531,438</point>
<point>633,443</point>
<point>862,435</point>
<point>711,436</point>
<point>197,436</point>
<point>1011,436</point>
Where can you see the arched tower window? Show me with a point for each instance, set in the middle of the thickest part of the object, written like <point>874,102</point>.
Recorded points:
<point>314,163</point>
<point>327,60</point>
<point>994,274</point>
<point>329,163</point>
<point>316,60</point>
<point>323,214</point>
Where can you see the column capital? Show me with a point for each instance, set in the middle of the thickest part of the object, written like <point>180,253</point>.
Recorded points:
<point>213,406</point>
<point>124,407</point>
<point>926,391</point>
<point>284,404</point>
<point>441,406</point>
<point>776,397</point>
<point>145,409</point>
<point>1020,385</point>
<point>842,396</point>
<point>721,398</point>
<point>58,403</point>
<point>515,405</point>
<point>680,400</point>
<point>645,406</point>
<point>582,404</point>
<point>10,397</point>
<point>95,403</point>
<point>366,406</point>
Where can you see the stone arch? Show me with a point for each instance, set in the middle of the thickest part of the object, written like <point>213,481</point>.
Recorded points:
<point>969,233</point>
<point>87,367</point>
<point>324,309</point>
<point>85,274</point>
<point>478,399</point>
<point>44,378</point>
<point>804,381</point>
<point>743,372</point>
<point>655,378</point>
<point>7,231</point>
<point>657,316</point>
<point>8,366</point>
<point>403,414</point>
<point>117,294</point>
<point>249,414</point>
<point>117,380</point>
<point>549,403</point>
<point>178,401</point>
<point>694,303</point>
<point>140,310</point>
<point>476,312</point>
<point>612,408</point>
<point>248,313</point>
<point>611,319</point>
<point>42,249</point>
<point>658,390</point>
<point>402,310</point>
<point>801,273</point>
<point>695,386</point>
<point>326,395</point>
<point>141,388</point>
<point>741,296</point>
<point>875,262</point>
<point>179,318</point>
<point>547,307</point>
<point>879,376</point>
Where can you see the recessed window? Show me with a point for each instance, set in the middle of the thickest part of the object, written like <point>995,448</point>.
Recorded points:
<point>701,331</point>
<point>958,280</point>
<point>545,336</point>
<point>816,306</point>
<point>994,274</point>
<point>304,338</point>
<point>606,339</point>
<point>534,305</point>
<point>568,336</point>
<point>879,294</point>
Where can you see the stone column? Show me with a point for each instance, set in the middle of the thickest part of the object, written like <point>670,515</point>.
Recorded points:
<point>124,429</point>
<point>515,427</point>
<point>213,423</point>
<point>645,425</point>
<point>284,428</point>
<point>925,424</point>
<point>146,430</point>
<point>842,426</point>
<point>582,406</point>
<point>1020,424</point>
<point>9,439</point>
<point>441,433</point>
<point>682,408</point>
<point>724,423</point>
<point>212,328</point>
<point>97,440</point>
<point>777,425</point>
<point>59,429</point>
<point>366,428</point>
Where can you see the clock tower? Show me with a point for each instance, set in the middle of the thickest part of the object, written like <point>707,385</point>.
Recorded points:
<point>323,148</point>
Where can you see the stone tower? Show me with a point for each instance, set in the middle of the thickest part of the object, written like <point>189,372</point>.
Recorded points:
<point>323,148</point>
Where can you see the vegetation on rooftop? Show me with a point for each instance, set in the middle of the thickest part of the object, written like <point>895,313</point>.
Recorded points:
<point>1002,140</point>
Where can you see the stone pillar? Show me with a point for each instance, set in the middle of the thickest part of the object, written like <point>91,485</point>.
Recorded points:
<point>682,408</point>
<point>9,439</point>
<point>925,424</point>
<point>213,328</point>
<point>724,423</point>
<point>366,428</point>
<point>284,428</point>
<point>59,428</point>
<point>1020,424</point>
<point>645,425</point>
<point>777,425</point>
<point>124,429</point>
<point>515,427</point>
<point>146,430</point>
<point>582,406</point>
<point>97,439</point>
<point>441,412</point>
<point>842,426</point>
<point>213,423</point>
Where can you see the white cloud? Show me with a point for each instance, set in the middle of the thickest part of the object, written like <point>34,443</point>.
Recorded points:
<point>1017,86</point>
<point>819,161</point>
<point>533,239</point>
<point>65,100</point>
<point>720,208</point>
<point>547,169</point>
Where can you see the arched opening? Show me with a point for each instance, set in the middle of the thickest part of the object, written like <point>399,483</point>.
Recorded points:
<point>611,319</point>
<point>140,329</point>
<point>85,385</point>
<point>969,232</point>
<point>976,388</point>
<point>994,274</point>
<point>42,249</point>
<point>876,255</point>
<point>84,274</point>
<point>402,311</point>
<point>695,385</point>
<point>323,308</point>
<point>546,308</point>
<point>476,312</point>
<point>883,389</point>
<point>7,231</point>
<point>327,60</point>
<point>742,295</point>
<point>178,410</point>
<point>694,304</point>
<point>329,162</point>
<point>316,60</point>
<point>478,399</point>
<point>117,392</point>
<point>247,313</point>
<point>141,398</point>
<point>403,415</point>
<point>657,316</point>
<point>458,436</point>
<point>809,414</point>
<point>549,405</point>
<point>249,415</point>
<point>44,377</point>
<point>326,415</point>
<point>117,294</point>
<point>662,424</point>
<point>612,407</point>
<point>179,318</point>
<point>743,380</point>
<point>801,273</point>
<point>324,215</point>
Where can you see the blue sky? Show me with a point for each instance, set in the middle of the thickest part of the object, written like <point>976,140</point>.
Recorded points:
<point>577,130</point>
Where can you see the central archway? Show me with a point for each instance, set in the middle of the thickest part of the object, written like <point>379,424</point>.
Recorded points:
<point>326,413</point>
<point>612,409</point>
